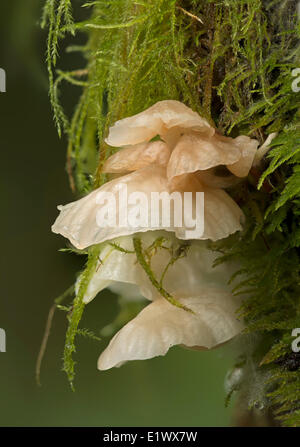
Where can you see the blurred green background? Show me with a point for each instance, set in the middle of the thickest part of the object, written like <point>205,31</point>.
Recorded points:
<point>184,388</point>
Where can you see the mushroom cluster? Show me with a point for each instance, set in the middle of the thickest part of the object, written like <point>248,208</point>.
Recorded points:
<point>166,148</point>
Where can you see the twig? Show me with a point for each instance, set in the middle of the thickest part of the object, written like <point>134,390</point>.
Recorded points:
<point>190,14</point>
<point>48,326</point>
<point>44,344</point>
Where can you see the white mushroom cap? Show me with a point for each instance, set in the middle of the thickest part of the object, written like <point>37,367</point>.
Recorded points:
<point>78,220</point>
<point>195,269</point>
<point>160,325</point>
<point>156,120</point>
<point>136,157</point>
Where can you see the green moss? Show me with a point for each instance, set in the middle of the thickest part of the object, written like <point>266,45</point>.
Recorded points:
<point>140,255</point>
<point>75,315</point>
